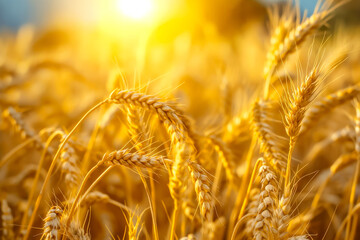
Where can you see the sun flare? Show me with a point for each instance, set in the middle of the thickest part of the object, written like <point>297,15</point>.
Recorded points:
<point>136,9</point>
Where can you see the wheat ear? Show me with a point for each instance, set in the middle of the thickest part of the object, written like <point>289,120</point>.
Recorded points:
<point>264,226</point>
<point>52,223</point>
<point>132,160</point>
<point>136,128</point>
<point>174,126</point>
<point>69,161</point>
<point>254,200</point>
<point>202,188</point>
<point>297,107</point>
<point>293,40</point>
<point>94,197</point>
<point>267,138</point>
<point>7,221</point>
<point>17,121</point>
<point>165,113</point>
<point>282,27</point>
<point>283,216</point>
<point>324,105</point>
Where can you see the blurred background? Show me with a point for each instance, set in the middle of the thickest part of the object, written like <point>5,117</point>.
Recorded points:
<point>16,13</point>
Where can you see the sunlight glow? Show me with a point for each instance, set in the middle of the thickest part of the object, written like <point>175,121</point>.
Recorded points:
<point>136,9</point>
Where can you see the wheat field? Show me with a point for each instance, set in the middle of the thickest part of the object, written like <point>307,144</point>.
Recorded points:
<point>188,131</point>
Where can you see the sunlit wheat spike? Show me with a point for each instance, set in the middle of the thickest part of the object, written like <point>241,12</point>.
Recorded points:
<point>295,37</point>
<point>7,221</point>
<point>131,160</point>
<point>20,126</point>
<point>251,211</point>
<point>177,182</point>
<point>162,109</point>
<point>174,126</point>
<point>69,166</point>
<point>324,105</point>
<point>267,138</point>
<point>299,103</point>
<point>283,25</point>
<point>264,227</point>
<point>202,188</point>
<point>137,128</point>
<point>52,223</point>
